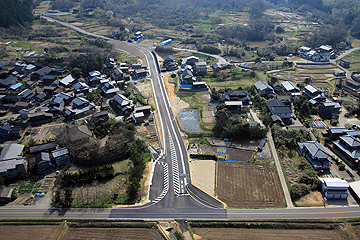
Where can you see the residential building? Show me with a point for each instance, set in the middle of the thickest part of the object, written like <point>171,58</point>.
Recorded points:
<point>79,107</point>
<point>322,54</point>
<point>68,80</point>
<point>349,147</point>
<point>344,63</point>
<point>234,105</point>
<point>264,89</point>
<point>170,63</point>
<point>237,95</point>
<point>46,147</point>
<point>123,103</point>
<point>190,60</point>
<point>5,194</point>
<point>187,77</point>
<point>334,188</point>
<point>316,155</point>
<point>280,109</point>
<point>56,104</point>
<point>42,162</point>
<point>12,163</point>
<point>330,108</point>
<point>145,109</point>
<point>26,95</point>
<point>200,67</point>
<point>291,88</point>
<point>8,82</point>
<point>335,133</point>
<point>39,118</point>
<point>312,92</point>
<point>110,88</point>
<point>139,73</point>
<point>81,87</point>
<point>117,75</point>
<point>61,156</point>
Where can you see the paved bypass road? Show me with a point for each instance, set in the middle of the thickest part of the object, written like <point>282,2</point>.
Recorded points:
<point>171,195</point>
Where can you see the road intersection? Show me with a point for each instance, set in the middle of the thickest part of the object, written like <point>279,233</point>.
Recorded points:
<point>172,196</point>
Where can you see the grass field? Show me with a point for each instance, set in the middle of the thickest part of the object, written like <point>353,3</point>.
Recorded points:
<point>242,185</point>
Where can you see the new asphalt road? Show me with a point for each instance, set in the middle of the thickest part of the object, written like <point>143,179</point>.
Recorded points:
<point>171,195</point>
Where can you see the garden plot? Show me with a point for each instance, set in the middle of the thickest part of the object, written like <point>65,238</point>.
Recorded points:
<point>38,232</point>
<point>242,185</point>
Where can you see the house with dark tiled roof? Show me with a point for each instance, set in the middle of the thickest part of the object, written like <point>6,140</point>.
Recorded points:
<point>335,133</point>
<point>123,103</point>
<point>26,95</point>
<point>349,147</point>
<point>278,108</point>
<point>46,147</point>
<point>79,107</point>
<point>39,74</point>
<point>8,82</point>
<point>42,162</point>
<point>330,108</point>
<point>61,156</point>
<point>316,155</point>
<point>12,163</point>
<point>56,104</point>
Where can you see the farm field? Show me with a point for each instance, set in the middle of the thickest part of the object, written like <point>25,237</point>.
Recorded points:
<point>112,233</point>
<point>269,234</point>
<point>242,185</point>
<point>39,232</point>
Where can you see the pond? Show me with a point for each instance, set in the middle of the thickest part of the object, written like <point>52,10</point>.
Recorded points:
<point>189,121</point>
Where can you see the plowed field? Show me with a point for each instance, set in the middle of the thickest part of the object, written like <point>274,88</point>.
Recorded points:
<point>112,233</point>
<point>21,232</point>
<point>268,234</point>
<point>242,185</point>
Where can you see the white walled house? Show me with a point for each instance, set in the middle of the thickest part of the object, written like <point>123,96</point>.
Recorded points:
<point>335,188</point>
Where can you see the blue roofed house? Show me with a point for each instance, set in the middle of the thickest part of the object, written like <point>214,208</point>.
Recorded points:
<point>264,89</point>
<point>316,155</point>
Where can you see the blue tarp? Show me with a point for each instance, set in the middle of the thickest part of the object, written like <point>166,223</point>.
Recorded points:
<point>224,160</point>
<point>185,86</point>
<point>16,86</point>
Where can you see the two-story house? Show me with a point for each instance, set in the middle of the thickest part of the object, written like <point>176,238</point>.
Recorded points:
<point>264,89</point>
<point>278,108</point>
<point>316,155</point>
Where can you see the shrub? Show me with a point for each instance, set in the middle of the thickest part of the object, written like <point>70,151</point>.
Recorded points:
<point>298,190</point>
<point>328,140</point>
<point>341,166</point>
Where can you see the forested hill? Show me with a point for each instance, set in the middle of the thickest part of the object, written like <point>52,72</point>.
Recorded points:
<point>15,12</point>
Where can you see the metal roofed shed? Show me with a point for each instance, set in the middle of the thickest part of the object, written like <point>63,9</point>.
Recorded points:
<point>335,188</point>
<point>166,42</point>
<point>262,145</point>
<point>16,86</point>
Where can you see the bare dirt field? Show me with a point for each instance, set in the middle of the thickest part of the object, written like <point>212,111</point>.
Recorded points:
<point>39,232</point>
<point>269,234</point>
<point>356,230</point>
<point>242,185</point>
<point>112,233</point>
<point>204,173</point>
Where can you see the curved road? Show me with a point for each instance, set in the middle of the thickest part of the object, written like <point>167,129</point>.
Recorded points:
<point>172,195</point>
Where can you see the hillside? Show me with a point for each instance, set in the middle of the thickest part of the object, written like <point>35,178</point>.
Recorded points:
<point>15,12</point>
